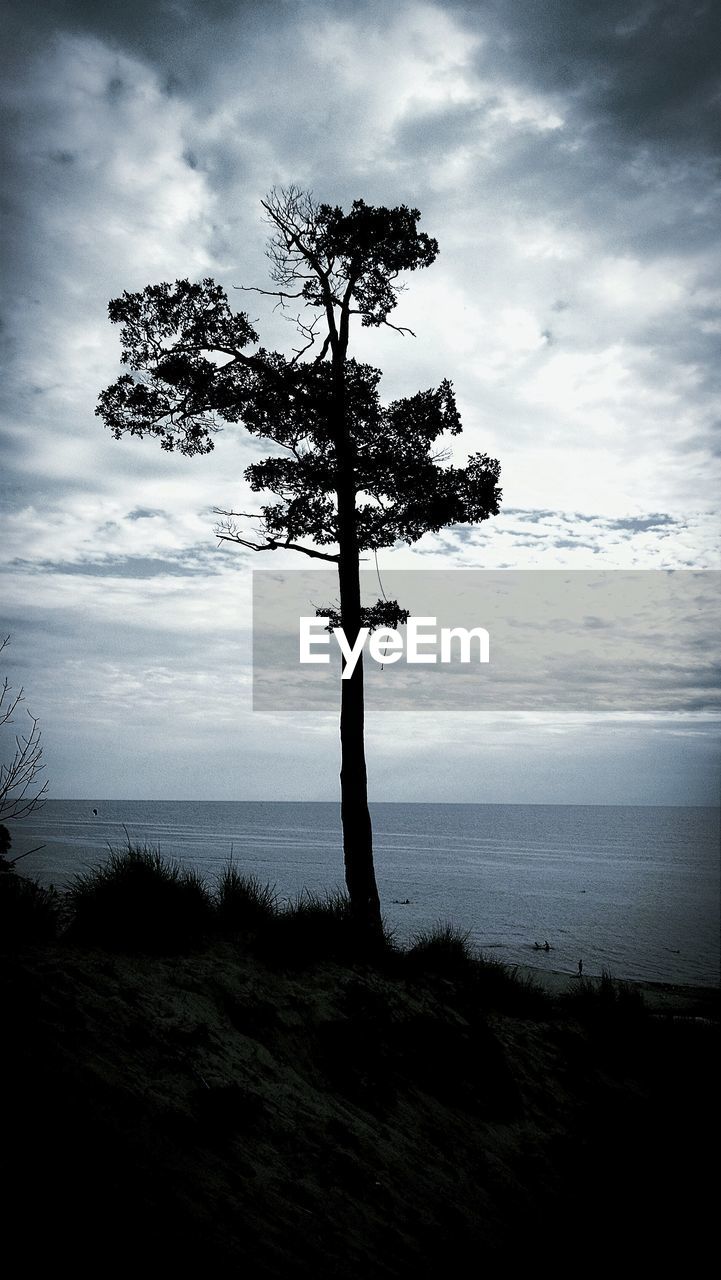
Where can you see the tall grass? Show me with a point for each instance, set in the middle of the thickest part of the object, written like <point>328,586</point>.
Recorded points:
<point>605,1001</point>
<point>242,902</point>
<point>443,950</point>
<point>502,987</point>
<point>446,952</point>
<point>320,926</point>
<point>138,900</point>
<point>29,912</point>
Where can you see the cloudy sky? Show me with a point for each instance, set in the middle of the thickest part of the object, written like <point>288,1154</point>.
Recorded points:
<point>565,157</point>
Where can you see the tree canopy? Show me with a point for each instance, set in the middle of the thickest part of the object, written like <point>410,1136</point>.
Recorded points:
<point>197,364</point>
<point>348,473</point>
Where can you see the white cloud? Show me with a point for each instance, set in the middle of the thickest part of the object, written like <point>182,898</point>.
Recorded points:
<point>571,305</point>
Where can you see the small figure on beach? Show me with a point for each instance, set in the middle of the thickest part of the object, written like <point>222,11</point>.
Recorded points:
<point>580,968</point>
<point>95,813</point>
<point>546,946</point>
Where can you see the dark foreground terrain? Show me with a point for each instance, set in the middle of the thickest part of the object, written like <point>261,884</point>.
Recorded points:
<point>230,1108</point>
<point>207,1111</point>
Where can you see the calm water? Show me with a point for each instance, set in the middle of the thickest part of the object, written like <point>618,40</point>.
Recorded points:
<point>632,889</point>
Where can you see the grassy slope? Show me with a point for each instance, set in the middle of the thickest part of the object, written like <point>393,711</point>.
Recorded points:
<point>206,1110</point>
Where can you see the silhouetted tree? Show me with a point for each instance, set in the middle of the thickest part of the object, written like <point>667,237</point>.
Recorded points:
<point>21,789</point>
<point>353,474</point>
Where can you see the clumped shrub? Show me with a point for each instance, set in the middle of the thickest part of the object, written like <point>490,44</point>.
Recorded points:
<point>139,901</point>
<point>444,951</point>
<point>503,988</point>
<point>29,912</point>
<point>243,903</point>
<point>606,1000</point>
<point>316,927</point>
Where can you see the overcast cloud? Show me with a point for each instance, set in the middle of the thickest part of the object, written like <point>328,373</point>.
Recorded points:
<point>565,155</point>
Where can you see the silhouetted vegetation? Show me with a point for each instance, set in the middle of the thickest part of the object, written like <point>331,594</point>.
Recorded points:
<point>22,790</point>
<point>138,900</point>
<point>29,912</point>
<point>501,986</point>
<point>444,950</point>
<point>604,1000</point>
<point>321,926</point>
<point>274,1101</point>
<point>243,903</point>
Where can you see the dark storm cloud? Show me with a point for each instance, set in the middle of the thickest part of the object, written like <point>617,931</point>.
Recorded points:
<point>646,72</point>
<point>154,27</point>
<point>639,90</point>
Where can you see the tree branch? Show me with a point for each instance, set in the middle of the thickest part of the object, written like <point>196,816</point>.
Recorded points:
<point>20,774</point>
<point>399,328</point>
<point>11,861</point>
<point>268,293</point>
<point>273,545</point>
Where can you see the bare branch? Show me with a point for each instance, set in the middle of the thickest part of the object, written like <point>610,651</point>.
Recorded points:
<point>273,544</point>
<point>308,331</point>
<point>242,515</point>
<point>11,861</point>
<point>399,328</point>
<point>228,531</point>
<point>20,792</point>
<point>267,293</point>
<point>293,215</point>
<point>8,703</point>
<point>18,779</point>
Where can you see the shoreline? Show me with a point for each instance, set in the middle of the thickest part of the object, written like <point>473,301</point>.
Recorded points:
<point>679,999</point>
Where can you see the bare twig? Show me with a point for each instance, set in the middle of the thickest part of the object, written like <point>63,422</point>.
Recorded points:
<point>272,544</point>
<point>11,861</point>
<point>267,293</point>
<point>18,796</point>
<point>20,792</point>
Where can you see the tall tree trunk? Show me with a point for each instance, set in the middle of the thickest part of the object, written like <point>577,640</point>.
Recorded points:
<point>355,815</point>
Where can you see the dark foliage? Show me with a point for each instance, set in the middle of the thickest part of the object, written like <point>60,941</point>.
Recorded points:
<point>604,1002</point>
<point>243,903</point>
<point>138,900</point>
<point>29,912</point>
<point>317,927</point>
<point>446,952</point>
<point>443,950</point>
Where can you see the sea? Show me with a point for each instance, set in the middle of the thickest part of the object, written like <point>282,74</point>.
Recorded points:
<point>629,889</point>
